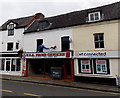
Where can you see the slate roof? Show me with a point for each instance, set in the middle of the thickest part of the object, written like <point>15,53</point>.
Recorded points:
<point>110,12</point>
<point>20,22</point>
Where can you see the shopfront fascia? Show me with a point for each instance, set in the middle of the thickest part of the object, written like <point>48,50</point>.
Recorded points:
<point>10,64</point>
<point>44,61</point>
<point>96,63</point>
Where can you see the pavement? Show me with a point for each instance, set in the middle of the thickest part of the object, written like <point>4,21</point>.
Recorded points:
<point>81,85</point>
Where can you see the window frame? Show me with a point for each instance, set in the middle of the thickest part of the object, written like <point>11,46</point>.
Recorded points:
<point>85,65</point>
<point>101,72</point>
<point>94,16</point>
<point>80,66</point>
<point>17,45</point>
<point>14,65</point>
<point>8,46</point>
<point>65,43</point>
<point>99,43</point>
<point>11,30</point>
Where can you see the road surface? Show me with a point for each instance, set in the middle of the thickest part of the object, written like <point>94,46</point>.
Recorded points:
<point>17,88</point>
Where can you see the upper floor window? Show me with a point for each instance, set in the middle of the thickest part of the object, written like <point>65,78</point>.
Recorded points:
<point>17,45</point>
<point>95,16</point>
<point>9,46</point>
<point>99,40</point>
<point>65,43</point>
<point>43,25</point>
<point>10,29</point>
<point>39,42</point>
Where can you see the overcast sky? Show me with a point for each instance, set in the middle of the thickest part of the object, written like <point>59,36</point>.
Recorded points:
<point>10,9</point>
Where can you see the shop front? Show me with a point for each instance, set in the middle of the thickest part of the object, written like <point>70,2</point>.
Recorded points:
<point>97,66</point>
<point>56,65</point>
<point>10,64</point>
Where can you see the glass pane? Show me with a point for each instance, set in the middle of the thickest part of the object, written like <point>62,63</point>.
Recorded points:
<point>65,43</point>
<point>13,65</point>
<point>83,66</point>
<point>102,44</point>
<point>96,37</point>
<point>96,16</point>
<point>10,32</point>
<point>96,45</point>
<point>10,46</point>
<point>7,65</point>
<point>87,67</point>
<point>3,64</point>
<point>18,65</point>
<point>91,17</point>
<point>101,37</point>
<point>17,45</point>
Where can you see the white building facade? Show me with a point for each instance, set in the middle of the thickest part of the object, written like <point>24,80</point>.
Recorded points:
<point>11,42</point>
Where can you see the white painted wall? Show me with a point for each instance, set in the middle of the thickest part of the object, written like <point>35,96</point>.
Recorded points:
<point>18,36</point>
<point>4,38</point>
<point>0,41</point>
<point>50,38</point>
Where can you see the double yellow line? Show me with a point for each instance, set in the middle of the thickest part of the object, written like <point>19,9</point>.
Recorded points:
<point>28,94</point>
<point>6,90</point>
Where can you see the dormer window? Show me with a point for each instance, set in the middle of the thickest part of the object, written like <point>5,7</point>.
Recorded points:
<point>10,29</point>
<point>44,25</point>
<point>95,16</point>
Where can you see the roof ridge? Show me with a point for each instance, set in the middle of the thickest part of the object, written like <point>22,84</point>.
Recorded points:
<point>21,18</point>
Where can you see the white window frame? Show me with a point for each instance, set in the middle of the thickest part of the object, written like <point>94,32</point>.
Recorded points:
<point>89,16</point>
<point>10,60</point>
<point>12,48</point>
<point>11,27</point>
<point>101,65</point>
<point>85,64</point>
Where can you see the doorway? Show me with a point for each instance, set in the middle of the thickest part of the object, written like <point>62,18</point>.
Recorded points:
<point>43,67</point>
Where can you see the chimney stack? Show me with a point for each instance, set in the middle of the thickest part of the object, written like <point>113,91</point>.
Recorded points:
<point>36,16</point>
<point>39,16</point>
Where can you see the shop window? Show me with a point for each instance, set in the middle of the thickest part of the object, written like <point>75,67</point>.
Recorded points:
<point>18,67</point>
<point>10,64</point>
<point>9,46</point>
<point>101,66</point>
<point>65,43</point>
<point>85,66</point>
<point>7,65</point>
<point>13,65</point>
<point>99,40</point>
<point>3,64</point>
<point>10,29</point>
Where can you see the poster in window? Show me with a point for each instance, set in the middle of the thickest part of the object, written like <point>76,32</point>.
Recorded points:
<point>85,66</point>
<point>101,66</point>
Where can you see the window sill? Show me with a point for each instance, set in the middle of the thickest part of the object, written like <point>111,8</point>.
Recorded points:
<point>95,75</point>
<point>99,49</point>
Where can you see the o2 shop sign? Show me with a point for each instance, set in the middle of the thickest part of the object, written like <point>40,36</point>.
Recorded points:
<point>49,55</point>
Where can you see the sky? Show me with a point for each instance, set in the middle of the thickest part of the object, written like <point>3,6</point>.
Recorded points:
<point>11,9</point>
